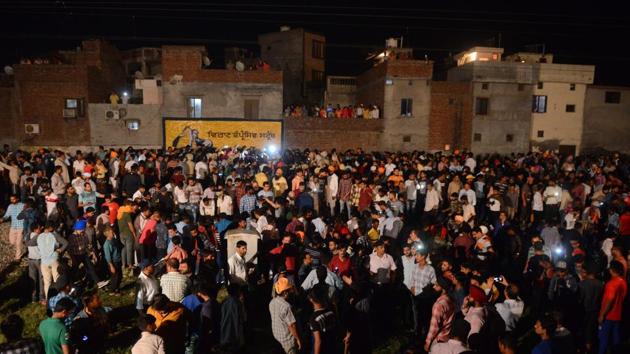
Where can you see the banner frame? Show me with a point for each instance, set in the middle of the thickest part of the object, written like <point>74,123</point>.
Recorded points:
<point>165,118</point>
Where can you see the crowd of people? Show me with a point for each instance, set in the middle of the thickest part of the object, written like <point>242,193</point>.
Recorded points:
<point>325,251</point>
<point>330,111</point>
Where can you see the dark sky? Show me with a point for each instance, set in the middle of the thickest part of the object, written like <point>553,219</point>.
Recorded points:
<point>593,33</point>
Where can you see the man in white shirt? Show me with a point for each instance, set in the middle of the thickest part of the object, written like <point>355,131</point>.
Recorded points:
<point>511,309</point>
<point>552,197</point>
<point>224,203</point>
<point>432,200</point>
<point>382,265</point>
<point>79,164</point>
<point>149,343</point>
<point>147,285</point>
<point>332,189</point>
<point>237,267</point>
<point>201,170</point>
<point>469,193</point>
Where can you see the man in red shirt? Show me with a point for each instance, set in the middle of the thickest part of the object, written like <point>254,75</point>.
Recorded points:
<point>612,304</point>
<point>340,263</point>
<point>112,206</point>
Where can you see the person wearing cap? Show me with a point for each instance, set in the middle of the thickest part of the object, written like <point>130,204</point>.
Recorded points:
<point>149,342</point>
<point>283,323</point>
<point>81,251</point>
<point>442,315</point>
<point>473,308</point>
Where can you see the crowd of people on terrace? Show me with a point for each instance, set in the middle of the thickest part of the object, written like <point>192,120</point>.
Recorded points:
<point>329,111</point>
<point>321,251</point>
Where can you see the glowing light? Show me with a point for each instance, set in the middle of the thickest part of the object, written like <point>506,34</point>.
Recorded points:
<point>125,94</point>
<point>272,149</point>
<point>558,250</point>
<point>473,56</point>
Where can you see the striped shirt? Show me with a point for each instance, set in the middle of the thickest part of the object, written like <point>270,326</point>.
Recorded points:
<point>442,315</point>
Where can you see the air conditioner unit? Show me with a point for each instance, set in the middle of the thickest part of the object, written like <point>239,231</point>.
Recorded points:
<point>69,113</point>
<point>31,128</point>
<point>113,114</point>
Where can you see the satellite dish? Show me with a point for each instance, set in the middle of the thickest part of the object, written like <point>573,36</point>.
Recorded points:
<point>138,75</point>
<point>240,66</point>
<point>206,61</point>
<point>8,70</point>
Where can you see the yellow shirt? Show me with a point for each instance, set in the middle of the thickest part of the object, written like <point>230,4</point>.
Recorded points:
<point>373,236</point>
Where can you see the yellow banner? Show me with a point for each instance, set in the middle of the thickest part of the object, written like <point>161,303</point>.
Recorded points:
<point>196,132</point>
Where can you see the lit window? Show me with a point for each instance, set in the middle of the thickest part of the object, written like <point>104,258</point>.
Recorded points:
<point>539,104</point>
<point>194,107</point>
<point>133,124</point>
<point>406,107</point>
<point>72,103</point>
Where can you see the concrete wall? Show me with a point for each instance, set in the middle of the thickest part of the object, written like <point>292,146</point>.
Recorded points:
<point>222,100</point>
<point>114,133</point>
<point>559,127</point>
<point>606,125</point>
<point>509,113</point>
<point>340,134</point>
<point>415,129</point>
<point>340,91</point>
<point>285,51</point>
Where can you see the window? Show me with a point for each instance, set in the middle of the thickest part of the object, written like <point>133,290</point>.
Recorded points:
<point>541,134</point>
<point>133,124</point>
<point>509,138</point>
<point>539,104</point>
<point>481,106</point>
<point>540,85</point>
<point>410,82</point>
<point>194,107</point>
<point>570,108</point>
<point>251,109</point>
<point>406,107</point>
<point>571,87</point>
<point>521,87</point>
<point>317,76</point>
<point>72,103</point>
<point>74,107</point>
<point>406,138</point>
<point>318,49</point>
<point>477,137</point>
<point>613,97</point>
<point>484,86</point>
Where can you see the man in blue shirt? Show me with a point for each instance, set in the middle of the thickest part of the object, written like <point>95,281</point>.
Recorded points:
<point>544,328</point>
<point>17,226</point>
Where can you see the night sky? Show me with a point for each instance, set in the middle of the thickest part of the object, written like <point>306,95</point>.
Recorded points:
<point>593,33</point>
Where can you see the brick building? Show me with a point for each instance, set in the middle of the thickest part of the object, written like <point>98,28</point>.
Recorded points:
<point>52,98</point>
